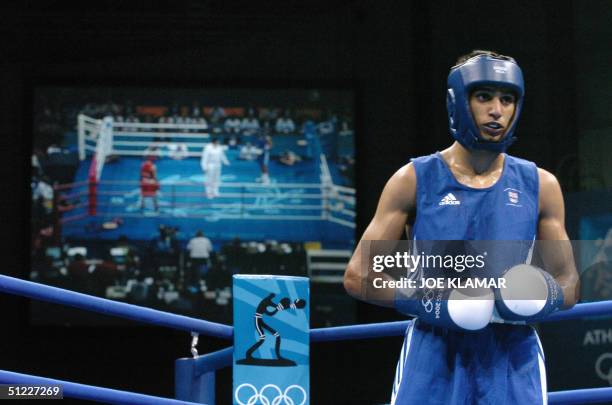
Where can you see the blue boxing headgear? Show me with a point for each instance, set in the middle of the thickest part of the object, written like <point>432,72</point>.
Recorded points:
<point>478,71</point>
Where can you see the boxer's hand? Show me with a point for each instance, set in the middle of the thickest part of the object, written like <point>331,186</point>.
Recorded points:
<point>284,304</point>
<point>449,308</point>
<point>530,294</point>
<point>298,304</point>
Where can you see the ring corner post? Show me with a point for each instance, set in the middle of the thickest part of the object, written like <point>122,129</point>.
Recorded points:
<point>188,386</point>
<point>92,185</point>
<point>271,355</point>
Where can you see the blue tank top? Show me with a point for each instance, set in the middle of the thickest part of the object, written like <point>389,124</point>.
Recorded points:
<point>506,211</point>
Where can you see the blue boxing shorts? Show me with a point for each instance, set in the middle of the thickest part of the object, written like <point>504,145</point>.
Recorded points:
<point>501,364</point>
<point>264,158</point>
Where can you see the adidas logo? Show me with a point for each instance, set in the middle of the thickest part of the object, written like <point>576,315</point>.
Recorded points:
<point>449,199</point>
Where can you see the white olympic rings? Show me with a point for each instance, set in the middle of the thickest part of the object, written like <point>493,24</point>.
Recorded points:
<point>259,397</point>
<point>427,300</point>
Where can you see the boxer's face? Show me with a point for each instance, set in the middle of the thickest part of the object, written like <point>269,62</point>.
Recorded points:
<point>492,110</point>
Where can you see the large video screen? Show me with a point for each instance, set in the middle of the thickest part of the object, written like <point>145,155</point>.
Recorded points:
<point>157,196</point>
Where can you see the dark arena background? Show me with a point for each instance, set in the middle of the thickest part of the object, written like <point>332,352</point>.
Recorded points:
<point>167,77</point>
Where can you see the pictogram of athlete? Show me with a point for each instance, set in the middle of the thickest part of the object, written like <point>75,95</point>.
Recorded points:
<point>267,307</point>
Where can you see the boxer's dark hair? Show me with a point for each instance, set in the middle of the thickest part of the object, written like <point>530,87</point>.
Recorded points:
<point>477,52</point>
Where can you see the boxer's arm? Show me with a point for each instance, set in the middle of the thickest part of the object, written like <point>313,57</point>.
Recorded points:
<point>396,201</point>
<point>272,311</point>
<point>224,158</point>
<point>557,255</point>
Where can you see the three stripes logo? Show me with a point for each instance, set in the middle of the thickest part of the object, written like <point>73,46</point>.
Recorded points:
<point>449,199</point>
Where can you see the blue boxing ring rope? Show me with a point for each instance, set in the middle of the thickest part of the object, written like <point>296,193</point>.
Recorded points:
<point>109,307</point>
<point>89,392</point>
<point>194,377</point>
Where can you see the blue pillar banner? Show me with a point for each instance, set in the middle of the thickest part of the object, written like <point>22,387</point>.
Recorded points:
<point>271,340</point>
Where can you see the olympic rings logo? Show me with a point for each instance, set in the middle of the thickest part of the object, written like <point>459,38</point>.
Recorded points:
<point>427,300</point>
<point>259,398</point>
<point>598,368</point>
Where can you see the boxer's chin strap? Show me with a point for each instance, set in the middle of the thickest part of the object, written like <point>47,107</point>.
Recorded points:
<point>194,343</point>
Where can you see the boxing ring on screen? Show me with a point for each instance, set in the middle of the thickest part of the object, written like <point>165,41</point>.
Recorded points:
<point>311,193</point>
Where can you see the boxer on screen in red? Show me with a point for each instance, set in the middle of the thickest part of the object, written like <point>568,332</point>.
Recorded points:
<point>148,183</point>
